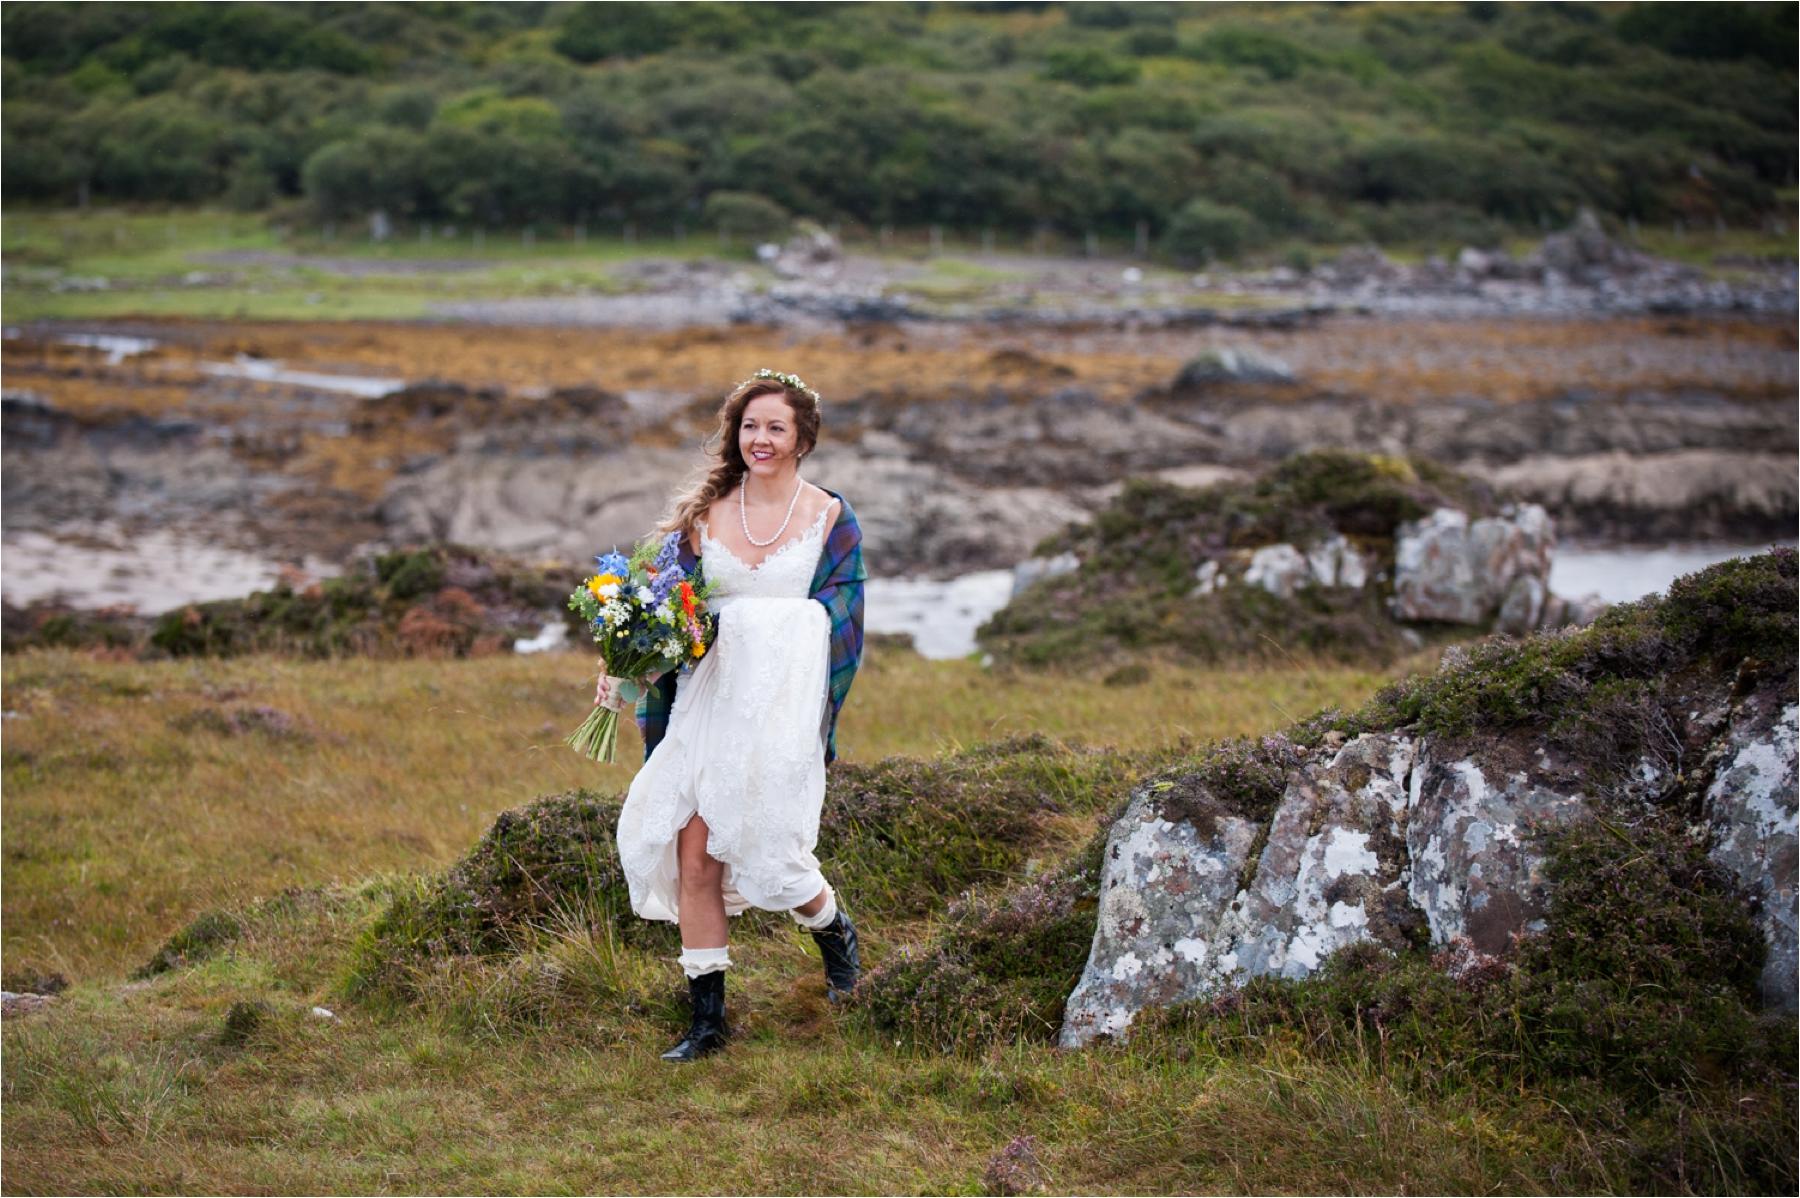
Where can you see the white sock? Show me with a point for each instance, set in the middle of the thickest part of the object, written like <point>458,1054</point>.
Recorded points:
<point>821,919</point>
<point>698,961</point>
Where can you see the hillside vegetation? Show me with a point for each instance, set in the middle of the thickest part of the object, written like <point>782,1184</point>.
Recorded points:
<point>1215,128</point>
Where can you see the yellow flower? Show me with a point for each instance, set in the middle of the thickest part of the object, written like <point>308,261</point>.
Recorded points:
<point>699,649</point>
<point>598,585</point>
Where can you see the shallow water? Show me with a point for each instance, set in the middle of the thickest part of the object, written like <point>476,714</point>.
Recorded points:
<point>262,371</point>
<point>152,572</point>
<point>117,348</point>
<point>1621,573</point>
<point>940,615</point>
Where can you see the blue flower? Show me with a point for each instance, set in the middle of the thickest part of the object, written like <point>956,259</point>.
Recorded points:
<point>614,563</point>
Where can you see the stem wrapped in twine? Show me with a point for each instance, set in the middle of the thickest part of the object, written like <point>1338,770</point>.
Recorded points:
<point>598,737</point>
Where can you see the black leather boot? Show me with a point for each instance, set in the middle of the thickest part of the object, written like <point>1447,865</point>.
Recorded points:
<point>707,1033</point>
<point>837,944</point>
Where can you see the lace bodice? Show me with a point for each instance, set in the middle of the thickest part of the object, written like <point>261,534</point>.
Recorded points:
<point>786,573</point>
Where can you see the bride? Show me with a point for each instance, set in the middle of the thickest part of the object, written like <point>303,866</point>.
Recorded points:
<point>724,814</point>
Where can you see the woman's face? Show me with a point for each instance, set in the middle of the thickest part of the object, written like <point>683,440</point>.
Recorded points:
<point>767,437</point>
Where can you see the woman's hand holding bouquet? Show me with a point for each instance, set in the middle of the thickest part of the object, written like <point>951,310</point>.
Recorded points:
<point>648,617</point>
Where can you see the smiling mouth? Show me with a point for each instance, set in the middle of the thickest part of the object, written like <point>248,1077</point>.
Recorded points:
<point>761,455</point>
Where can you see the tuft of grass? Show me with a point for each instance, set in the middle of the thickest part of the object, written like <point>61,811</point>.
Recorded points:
<point>203,936</point>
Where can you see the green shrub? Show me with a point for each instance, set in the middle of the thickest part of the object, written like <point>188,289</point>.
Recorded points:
<point>1204,231</point>
<point>407,575</point>
<point>1085,66</point>
<point>1000,970</point>
<point>1248,46</point>
<point>746,214</point>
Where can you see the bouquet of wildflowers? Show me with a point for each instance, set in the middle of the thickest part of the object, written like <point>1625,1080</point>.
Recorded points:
<point>648,617</point>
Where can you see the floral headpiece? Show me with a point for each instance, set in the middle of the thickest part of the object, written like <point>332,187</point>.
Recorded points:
<point>791,381</point>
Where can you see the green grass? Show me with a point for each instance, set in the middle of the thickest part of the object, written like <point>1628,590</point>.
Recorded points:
<point>133,801</point>
<point>536,1070</point>
<point>145,256</point>
<point>146,1091</point>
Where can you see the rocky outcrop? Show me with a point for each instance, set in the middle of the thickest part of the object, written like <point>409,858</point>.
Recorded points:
<point>1281,568</point>
<point>1393,840</point>
<point>1447,567</point>
<point>1491,572</point>
<point>1439,832</point>
<point>1232,364</point>
<point>1750,808</point>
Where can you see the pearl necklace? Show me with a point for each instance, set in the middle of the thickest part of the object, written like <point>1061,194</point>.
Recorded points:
<point>744,519</point>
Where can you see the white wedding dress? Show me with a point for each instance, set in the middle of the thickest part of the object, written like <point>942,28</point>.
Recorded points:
<point>745,745</point>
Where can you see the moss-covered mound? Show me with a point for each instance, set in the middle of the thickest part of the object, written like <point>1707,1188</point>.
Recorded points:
<point>1136,585</point>
<point>895,837</point>
<point>1649,960</point>
<point>1633,684</point>
<point>557,853</point>
<point>432,601</point>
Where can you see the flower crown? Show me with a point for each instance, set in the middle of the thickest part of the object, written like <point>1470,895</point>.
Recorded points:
<point>791,381</point>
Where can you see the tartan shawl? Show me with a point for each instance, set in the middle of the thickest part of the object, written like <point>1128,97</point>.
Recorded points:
<point>838,584</point>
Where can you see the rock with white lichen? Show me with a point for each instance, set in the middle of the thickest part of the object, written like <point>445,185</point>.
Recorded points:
<point>1432,820</point>
<point>1448,567</point>
<point>1750,807</point>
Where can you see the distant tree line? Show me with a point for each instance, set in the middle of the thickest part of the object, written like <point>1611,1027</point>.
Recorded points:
<point>1227,127</point>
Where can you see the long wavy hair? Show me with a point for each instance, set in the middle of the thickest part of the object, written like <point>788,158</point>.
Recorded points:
<point>727,467</point>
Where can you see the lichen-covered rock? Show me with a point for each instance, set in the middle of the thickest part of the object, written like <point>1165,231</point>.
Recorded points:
<point>1332,871</point>
<point>1282,568</point>
<point>1165,883</point>
<point>1402,841</point>
<point>1523,607</point>
<point>1176,922</point>
<point>1278,569</point>
<point>1208,577</point>
<point>1336,563</point>
<point>1447,567</point>
<point>1475,873</point>
<point>1751,808</point>
<point>1227,365</point>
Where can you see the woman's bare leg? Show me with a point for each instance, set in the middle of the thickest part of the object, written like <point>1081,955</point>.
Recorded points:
<point>702,912</point>
<point>812,905</point>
